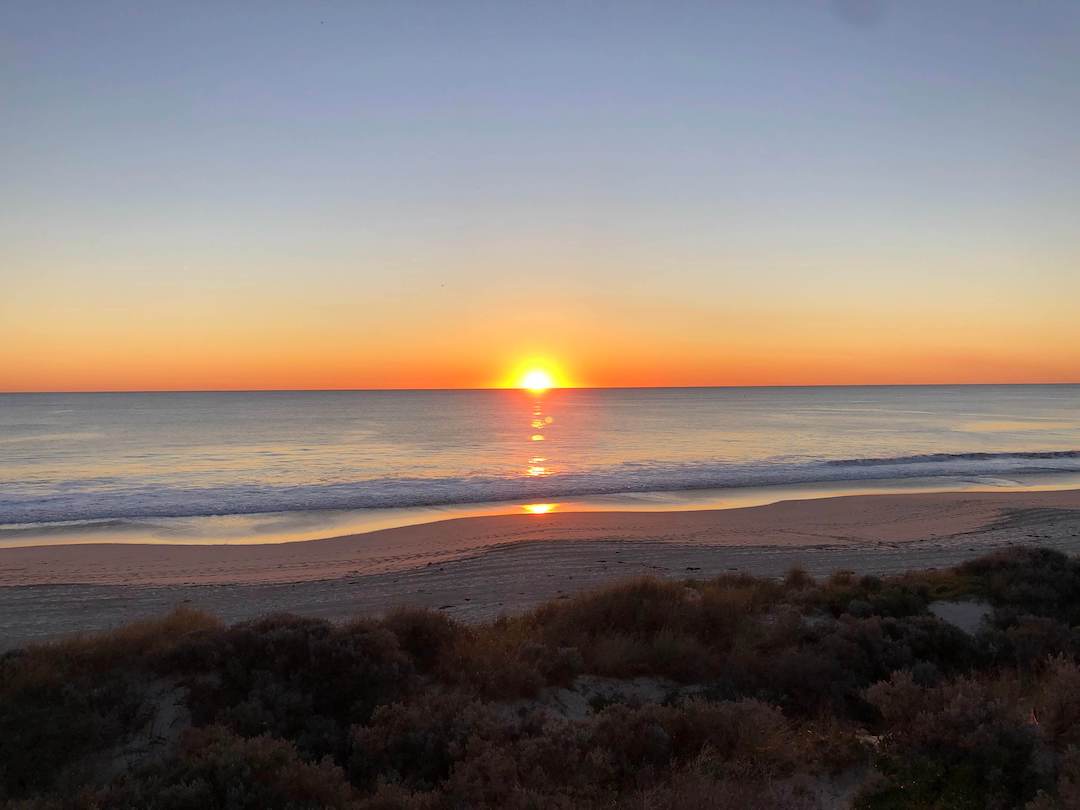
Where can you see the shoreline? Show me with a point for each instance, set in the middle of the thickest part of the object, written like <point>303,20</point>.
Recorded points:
<point>476,568</point>
<point>262,528</point>
<point>847,520</point>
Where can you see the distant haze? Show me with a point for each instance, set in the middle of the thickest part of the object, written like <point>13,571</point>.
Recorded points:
<point>406,194</point>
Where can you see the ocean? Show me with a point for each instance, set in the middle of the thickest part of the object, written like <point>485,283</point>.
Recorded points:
<point>251,466</point>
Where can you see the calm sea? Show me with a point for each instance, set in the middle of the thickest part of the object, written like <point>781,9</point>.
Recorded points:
<point>193,467</point>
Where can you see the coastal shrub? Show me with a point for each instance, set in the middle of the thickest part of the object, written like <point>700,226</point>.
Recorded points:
<point>1013,638</point>
<point>394,797</point>
<point>825,666</point>
<point>696,788</point>
<point>138,644</point>
<point>1068,779</point>
<point>528,762</point>
<point>870,596</point>
<point>426,635</point>
<point>499,660</point>
<point>959,744</point>
<point>649,626</point>
<point>622,749</point>
<point>301,679</point>
<point>62,704</point>
<point>1038,581</point>
<point>51,727</point>
<point>729,603</point>
<point>470,751</point>
<point>761,690</point>
<point>482,756</point>
<point>509,658</point>
<point>1055,703</point>
<point>218,770</point>
<point>643,607</point>
<point>797,578</point>
<point>417,745</point>
<point>871,583</point>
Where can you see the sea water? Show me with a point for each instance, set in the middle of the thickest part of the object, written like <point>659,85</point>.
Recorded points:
<point>249,466</point>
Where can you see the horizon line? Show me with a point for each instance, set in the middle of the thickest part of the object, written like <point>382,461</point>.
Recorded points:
<point>518,388</point>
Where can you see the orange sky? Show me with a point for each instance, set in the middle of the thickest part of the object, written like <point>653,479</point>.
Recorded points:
<point>388,195</point>
<point>473,341</point>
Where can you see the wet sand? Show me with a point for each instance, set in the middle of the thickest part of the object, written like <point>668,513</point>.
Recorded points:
<point>476,568</point>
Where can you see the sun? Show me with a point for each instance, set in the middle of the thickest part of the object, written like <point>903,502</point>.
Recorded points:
<point>536,380</point>
<point>536,373</point>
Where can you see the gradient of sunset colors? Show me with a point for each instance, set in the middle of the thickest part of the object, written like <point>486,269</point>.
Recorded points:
<point>449,194</point>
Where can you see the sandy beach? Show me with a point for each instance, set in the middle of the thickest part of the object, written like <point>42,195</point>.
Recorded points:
<point>478,567</point>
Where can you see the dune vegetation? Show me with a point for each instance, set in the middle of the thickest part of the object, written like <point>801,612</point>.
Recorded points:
<point>732,692</point>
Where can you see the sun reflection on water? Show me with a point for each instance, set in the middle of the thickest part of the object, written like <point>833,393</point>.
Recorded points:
<point>539,466</point>
<point>540,423</point>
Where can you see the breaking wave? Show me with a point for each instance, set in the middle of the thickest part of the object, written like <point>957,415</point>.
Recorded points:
<point>931,458</point>
<point>75,501</point>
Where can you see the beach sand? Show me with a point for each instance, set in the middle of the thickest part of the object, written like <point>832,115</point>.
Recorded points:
<point>476,568</point>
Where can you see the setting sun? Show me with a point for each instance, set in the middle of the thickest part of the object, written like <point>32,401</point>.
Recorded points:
<point>537,380</point>
<point>536,373</point>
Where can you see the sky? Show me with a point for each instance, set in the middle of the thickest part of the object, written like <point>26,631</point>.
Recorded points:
<point>243,195</point>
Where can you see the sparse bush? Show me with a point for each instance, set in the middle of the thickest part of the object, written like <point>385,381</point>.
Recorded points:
<point>305,680</point>
<point>652,627</point>
<point>953,745</point>
<point>798,578</point>
<point>426,635</point>
<point>1056,703</point>
<point>1039,581</point>
<point>217,770</point>
<point>63,703</point>
<point>496,661</point>
<point>50,728</point>
<point>870,597</point>
<point>418,712</point>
